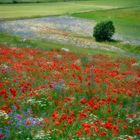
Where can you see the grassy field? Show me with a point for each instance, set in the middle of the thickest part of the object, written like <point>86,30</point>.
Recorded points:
<point>116,3</point>
<point>124,14</point>
<point>41,9</point>
<point>126,20</point>
<point>97,2</point>
<point>51,45</point>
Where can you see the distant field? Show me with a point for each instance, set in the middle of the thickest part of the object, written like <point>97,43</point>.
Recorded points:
<point>44,9</point>
<point>31,1</point>
<point>117,3</point>
<point>98,2</point>
<point>41,9</point>
<point>24,1</point>
<point>127,20</point>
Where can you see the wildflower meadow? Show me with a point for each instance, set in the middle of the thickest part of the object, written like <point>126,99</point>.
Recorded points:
<point>61,95</point>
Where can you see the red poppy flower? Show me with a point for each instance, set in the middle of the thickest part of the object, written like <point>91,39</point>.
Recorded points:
<point>103,134</point>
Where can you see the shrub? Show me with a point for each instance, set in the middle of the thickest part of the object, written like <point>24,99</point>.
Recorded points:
<point>104,31</point>
<point>14,1</point>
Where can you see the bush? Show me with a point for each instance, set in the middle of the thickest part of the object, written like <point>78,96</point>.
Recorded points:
<point>104,31</point>
<point>14,1</point>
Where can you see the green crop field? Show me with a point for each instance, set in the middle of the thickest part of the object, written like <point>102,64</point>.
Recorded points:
<point>126,20</point>
<point>116,3</point>
<point>45,9</point>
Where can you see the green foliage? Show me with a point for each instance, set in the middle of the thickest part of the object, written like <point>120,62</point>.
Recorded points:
<point>31,1</point>
<point>14,1</point>
<point>104,31</point>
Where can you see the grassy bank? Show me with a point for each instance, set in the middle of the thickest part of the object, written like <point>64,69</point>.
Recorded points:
<point>49,45</point>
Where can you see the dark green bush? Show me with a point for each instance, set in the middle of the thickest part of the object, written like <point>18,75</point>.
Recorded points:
<point>33,1</point>
<point>104,31</point>
<point>14,1</point>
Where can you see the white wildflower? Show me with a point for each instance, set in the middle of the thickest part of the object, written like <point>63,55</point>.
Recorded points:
<point>40,135</point>
<point>3,115</point>
<point>65,49</point>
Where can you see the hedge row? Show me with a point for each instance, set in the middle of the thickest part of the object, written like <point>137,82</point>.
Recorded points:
<point>32,1</point>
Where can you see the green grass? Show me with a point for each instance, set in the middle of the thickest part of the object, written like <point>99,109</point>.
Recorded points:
<point>50,45</point>
<point>43,9</point>
<point>29,1</point>
<point>96,2</point>
<point>124,46</point>
<point>126,20</point>
<point>116,3</point>
<point>59,8</point>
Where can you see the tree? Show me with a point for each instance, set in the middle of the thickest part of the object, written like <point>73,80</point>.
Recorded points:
<point>104,31</point>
